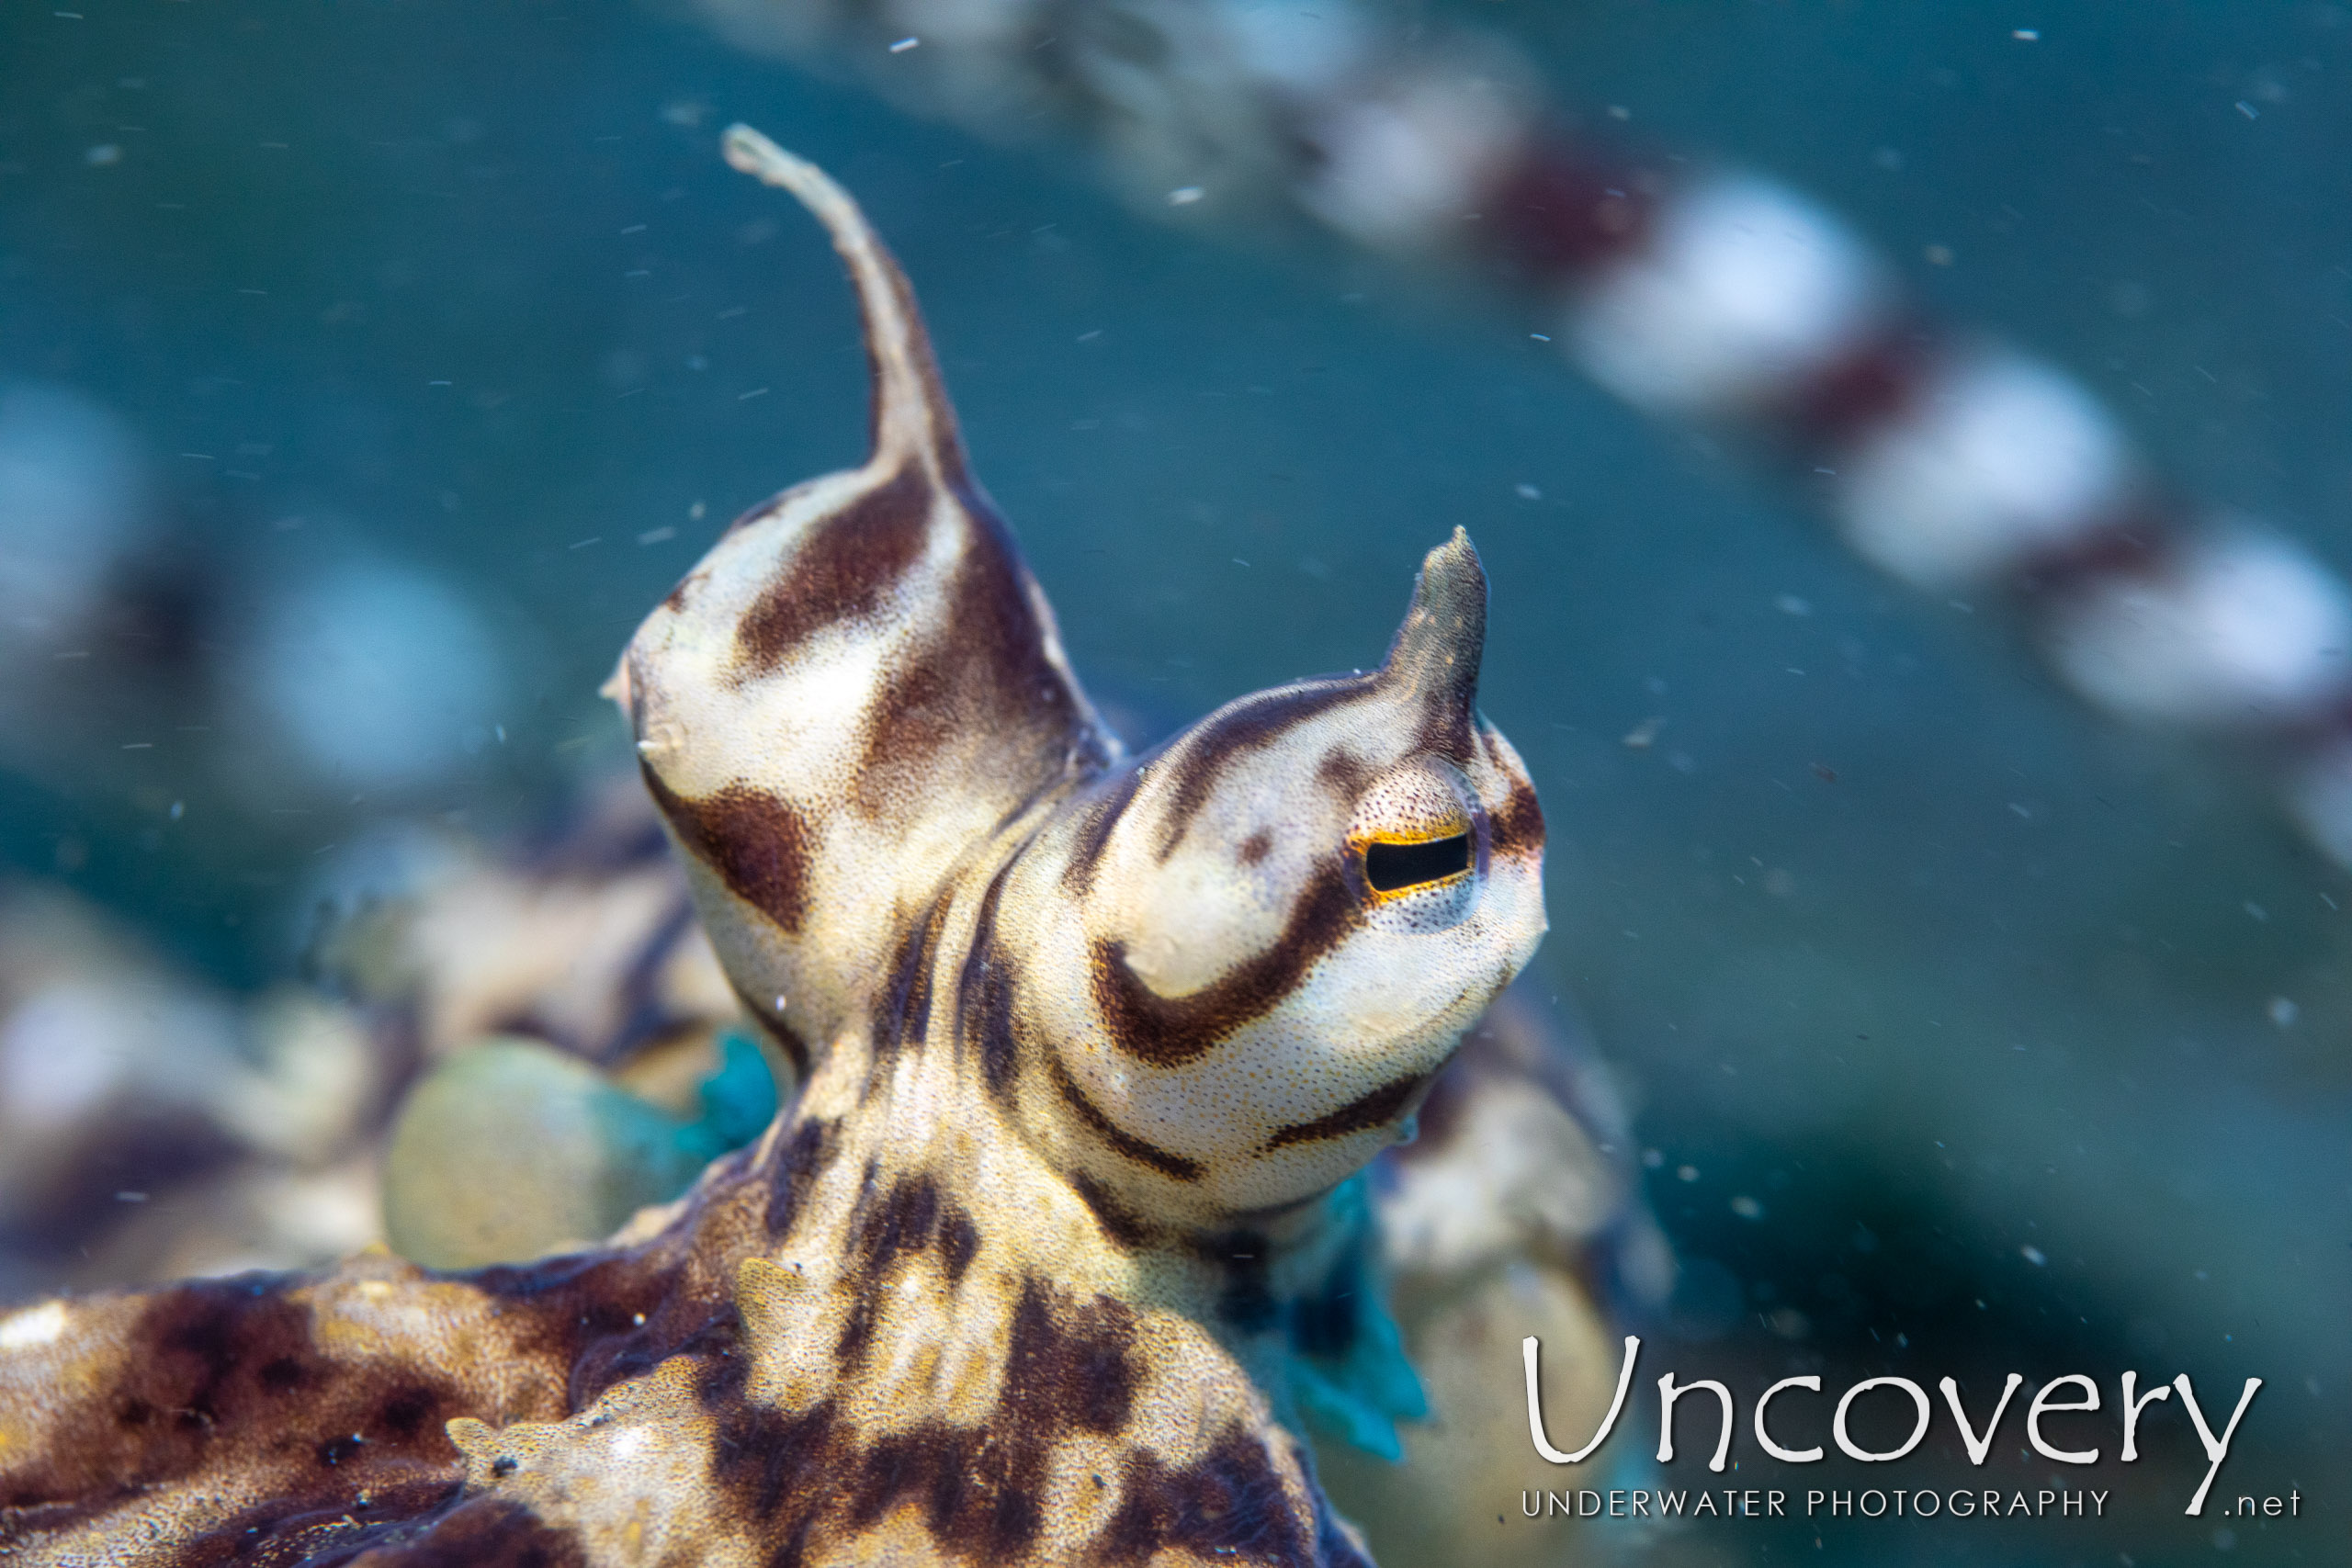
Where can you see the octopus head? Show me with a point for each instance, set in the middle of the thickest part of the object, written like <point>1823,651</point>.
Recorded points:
<point>1283,921</point>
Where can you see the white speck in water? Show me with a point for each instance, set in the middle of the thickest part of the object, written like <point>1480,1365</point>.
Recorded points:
<point>1184,196</point>
<point>2248,111</point>
<point>103,154</point>
<point>2034,1255</point>
<point>2026,35</point>
<point>1527,492</point>
<point>179,809</point>
<point>904,44</point>
<point>1790,605</point>
<point>656,535</point>
<point>1686,1173</point>
<point>1747,1208</point>
<point>2283,1011</point>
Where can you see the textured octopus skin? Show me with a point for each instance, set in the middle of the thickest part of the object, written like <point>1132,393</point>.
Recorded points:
<point>1086,1044</point>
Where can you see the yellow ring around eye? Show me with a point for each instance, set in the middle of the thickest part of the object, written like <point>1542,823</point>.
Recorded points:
<point>1396,866</point>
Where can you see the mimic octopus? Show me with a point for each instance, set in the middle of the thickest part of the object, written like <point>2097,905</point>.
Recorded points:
<point>1061,1236</point>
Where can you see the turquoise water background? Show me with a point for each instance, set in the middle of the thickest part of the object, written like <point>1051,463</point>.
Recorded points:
<point>1885,934</point>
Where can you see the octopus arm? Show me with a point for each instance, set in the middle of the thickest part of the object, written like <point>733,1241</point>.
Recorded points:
<point>859,684</point>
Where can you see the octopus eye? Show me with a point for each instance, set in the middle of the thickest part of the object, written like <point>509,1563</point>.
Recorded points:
<point>1393,868</point>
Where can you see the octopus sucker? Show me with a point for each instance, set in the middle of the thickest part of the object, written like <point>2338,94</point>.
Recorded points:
<point>1061,1238</point>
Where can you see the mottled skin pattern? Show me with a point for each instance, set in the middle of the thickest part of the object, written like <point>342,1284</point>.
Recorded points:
<point>1025,1272</point>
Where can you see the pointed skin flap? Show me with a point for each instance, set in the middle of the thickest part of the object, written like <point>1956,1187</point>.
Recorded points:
<point>1436,649</point>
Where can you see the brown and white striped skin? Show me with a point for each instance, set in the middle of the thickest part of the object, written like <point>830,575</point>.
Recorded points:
<point>1024,1272</point>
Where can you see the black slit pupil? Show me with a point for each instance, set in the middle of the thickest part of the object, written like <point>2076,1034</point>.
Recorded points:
<point>1391,867</point>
